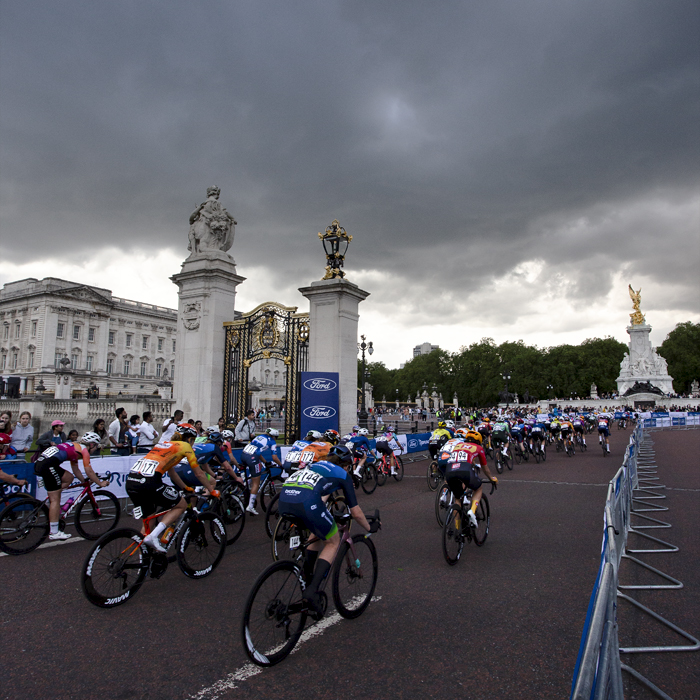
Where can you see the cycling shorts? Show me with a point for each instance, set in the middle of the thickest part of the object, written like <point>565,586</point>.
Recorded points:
<point>499,438</point>
<point>578,428</point>
<point>311,510</point>
<point>150,494</point>
<point>603,431</point>
<point>565,430</point>
<point>254,463</point>
<point>384,447</point>
<point>461,476</point>
<point>519,436</point>
<point>51,472</point>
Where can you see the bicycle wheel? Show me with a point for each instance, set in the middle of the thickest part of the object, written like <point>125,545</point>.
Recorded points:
<point>483,518</point>
<point>443,502</point>
<point>274,615</point>
<point>536,452</point>
<point>272,515</point>
<point>434,476</point>
<point>355,576</point>
<point>369,478</point>
<point>95,518</point>
<point>381,473</point>
<point>24,525</point>
<point>232,513</point>
<point>518,455</point>
<point>268,490</point>
<point>115,568</point>
<point>544,453</point>
<point>288,540</point>
<point>498,458</point>
<point>201,545</point>
<point>399,469</point>
<point>452,537</point>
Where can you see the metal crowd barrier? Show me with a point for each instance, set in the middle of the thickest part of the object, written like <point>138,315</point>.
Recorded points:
<point>631,492</point>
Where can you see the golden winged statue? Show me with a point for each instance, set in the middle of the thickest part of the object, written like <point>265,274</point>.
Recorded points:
<point>637,318</point>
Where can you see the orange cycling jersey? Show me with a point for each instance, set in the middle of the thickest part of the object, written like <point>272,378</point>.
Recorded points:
<point>315,452</point>
<point>163,457</point>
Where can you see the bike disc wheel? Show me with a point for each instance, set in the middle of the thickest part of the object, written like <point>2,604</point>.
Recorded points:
<point>274,615</point>
<point>272,515</point>
<point>233,514</point>
<point>399,469</point>
<point>443,502</point>
<point>284,544</point>
<point>201,545</point>
<point>355,577</point>
<point>483,517</point>
<point>368,478</point>
<point>92,520</point>
<point>433,476</point>
<point>115,568</point>
<point>452,537</point>
<point>24,525</point>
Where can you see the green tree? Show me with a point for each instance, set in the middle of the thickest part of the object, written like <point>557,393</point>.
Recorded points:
<point>681,350</point>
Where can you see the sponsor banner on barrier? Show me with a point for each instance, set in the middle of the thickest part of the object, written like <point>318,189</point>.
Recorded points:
<point>320,401</point>
<point>417,442</point>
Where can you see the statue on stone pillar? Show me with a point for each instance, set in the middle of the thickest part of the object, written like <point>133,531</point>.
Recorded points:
<point>637,318</point>
<point>211,226</point>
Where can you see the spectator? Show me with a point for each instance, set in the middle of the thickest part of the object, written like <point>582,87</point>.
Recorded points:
<point>6,422</point>
<point>99,427</point>
<point>119,434</point>
<point>6,449</point>
<point>245,430</point>
<point>114,428</point>
<point>55,436</point>
<point>170,425</point>
<point>134,427</point>
<point>221,423</point>
<point>147,434</point>
<point>23,434</point>
<point>198,427</point>
<point>73,436</point>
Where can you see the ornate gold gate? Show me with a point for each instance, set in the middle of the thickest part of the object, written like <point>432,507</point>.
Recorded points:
<point>269,331</point>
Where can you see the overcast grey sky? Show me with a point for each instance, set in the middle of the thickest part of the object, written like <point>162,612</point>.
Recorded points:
<point>505,168</point>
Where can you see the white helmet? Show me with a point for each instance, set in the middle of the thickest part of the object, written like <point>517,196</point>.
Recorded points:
<point>314,435</point>
<point>227,434</point>
<point>363,431</point>
<point>90,438</point>
<point>450,423</point>
<point>272,432</point>
<point>213,429</point>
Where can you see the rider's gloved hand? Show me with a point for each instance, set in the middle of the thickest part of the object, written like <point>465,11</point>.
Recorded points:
<point>189,489</point>
<point>495,480</point>
<point>375,526</point>
<point>215,493</point>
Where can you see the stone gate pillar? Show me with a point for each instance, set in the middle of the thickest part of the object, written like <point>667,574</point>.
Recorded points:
<point>333,311</point>
<point>206,298</point>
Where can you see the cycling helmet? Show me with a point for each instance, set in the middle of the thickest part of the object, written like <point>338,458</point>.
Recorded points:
<point>187,430</point>
<point>487,420</point>
<point>313,435</point>
<point>355,428</point>
<point>5,439</point>
<point>215,436</point>
<point>227,435</point>
<point>363,431</point>
<point>391,429</point>
<point>342,452</point>
<point>331,436</point>
<point>272,432</point>
<point>462,432</point>
<point>473,436</point>
<point>449,424</point>
<point>442,424</point>
<point>90,438</point>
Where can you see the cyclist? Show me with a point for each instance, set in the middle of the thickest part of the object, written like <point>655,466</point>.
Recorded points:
<point>206,452</point>
<point>450,426</point>
<point>555,429</point>
<point>580,428</point>
<point>291,460</point>
<point>256,454</point>
<point>484,428</point>
<point>501,435</point>
<point>387,444</point>
<point>519,432</point>
<point>361,448</point>
<point>462,473</point>
<point>319,449</point>
<point>56,478</point>
<point>537,436</point>
<point>438,438</point>
<point>145,486</point>
<point>604,423</point>
<point>303,496</point>
<point>567,430</point>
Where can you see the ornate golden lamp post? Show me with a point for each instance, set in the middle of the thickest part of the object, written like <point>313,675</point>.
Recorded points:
<point>335,242</point>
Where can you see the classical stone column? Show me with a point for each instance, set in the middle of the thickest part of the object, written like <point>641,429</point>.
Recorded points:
<point>333,311</point>
<point>206,299</point>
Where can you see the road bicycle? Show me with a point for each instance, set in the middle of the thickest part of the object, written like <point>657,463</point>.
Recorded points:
<point>539,449</point>
<point>275,613</point>
<point>622,424</point>
<point>284,533</point>
<point>521,452</point>
<point>579,442</point>
<point>604,445</point>
<point>116,567</point>
<point>24,524</point>
<point>569,447</point>
<point>368,474</point>
<point>443,503</point>
<point>383,466</point>
<point>457,528</point>
<point>502,458</point>
<point>434,475</point>
<point>230,506</point>
<point>269,484</point>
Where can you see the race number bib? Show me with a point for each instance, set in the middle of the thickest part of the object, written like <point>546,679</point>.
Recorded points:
<point>50,452</point>
<point>304,477</point>
<point>293,456</point>
<point>250,449</point>
<point>307,457</point>
<point>145,467</point>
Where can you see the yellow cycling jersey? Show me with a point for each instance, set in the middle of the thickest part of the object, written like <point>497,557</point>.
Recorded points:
<point>441,433</point>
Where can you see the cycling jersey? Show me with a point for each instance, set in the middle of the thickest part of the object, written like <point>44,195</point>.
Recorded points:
<point>462,469</point>
<point>315,452</point>
<point>204,452</point>
<point>360,445</point>
<point>387,444</point>
<point>162,458</point>
<point>566,427</point>
<point>48,464</point>
<point>257,452</point>
<point>291,460</point>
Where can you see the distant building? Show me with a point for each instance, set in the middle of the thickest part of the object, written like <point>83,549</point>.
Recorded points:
<point>53,330</point>
<point>424,349</point>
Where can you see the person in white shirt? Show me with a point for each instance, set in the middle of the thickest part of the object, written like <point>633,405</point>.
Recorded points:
<point>148,435</point>
<point>170,425</point>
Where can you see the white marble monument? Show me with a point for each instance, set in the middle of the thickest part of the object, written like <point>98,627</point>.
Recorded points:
<point>642,365</point>
<point>206,298</point>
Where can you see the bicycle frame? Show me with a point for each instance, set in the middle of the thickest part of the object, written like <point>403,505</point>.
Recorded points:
<point>86,492</point>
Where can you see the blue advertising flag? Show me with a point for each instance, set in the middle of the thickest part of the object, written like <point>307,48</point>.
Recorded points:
<point>320,401</point>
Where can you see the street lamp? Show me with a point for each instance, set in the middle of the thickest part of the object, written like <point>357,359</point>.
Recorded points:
<point>335,243</point>
<point>506,378</point>
<point>363,346</point>
<point>549,390</point>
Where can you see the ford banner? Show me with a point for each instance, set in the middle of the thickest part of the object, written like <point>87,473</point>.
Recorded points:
<point>320,402</point>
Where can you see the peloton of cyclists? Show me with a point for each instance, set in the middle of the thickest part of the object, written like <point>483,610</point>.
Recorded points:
<point>387,444</point>
<point>256,454</point>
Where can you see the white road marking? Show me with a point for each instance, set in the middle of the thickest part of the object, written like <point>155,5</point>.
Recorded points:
<point>51,544</point>
<point>247,671</point>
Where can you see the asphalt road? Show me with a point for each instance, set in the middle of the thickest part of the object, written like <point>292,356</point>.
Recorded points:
<point>505,622</point>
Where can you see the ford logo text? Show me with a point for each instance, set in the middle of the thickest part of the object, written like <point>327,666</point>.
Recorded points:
<point>320,384</point>
<point>319,412</point>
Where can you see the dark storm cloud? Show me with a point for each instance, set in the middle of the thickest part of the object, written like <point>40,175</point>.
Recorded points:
<point>457,138</point>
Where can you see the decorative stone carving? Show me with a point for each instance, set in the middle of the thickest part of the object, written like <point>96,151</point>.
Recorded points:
<point>211,226</point>
<point>643,365</point>
<point>191,316</point>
